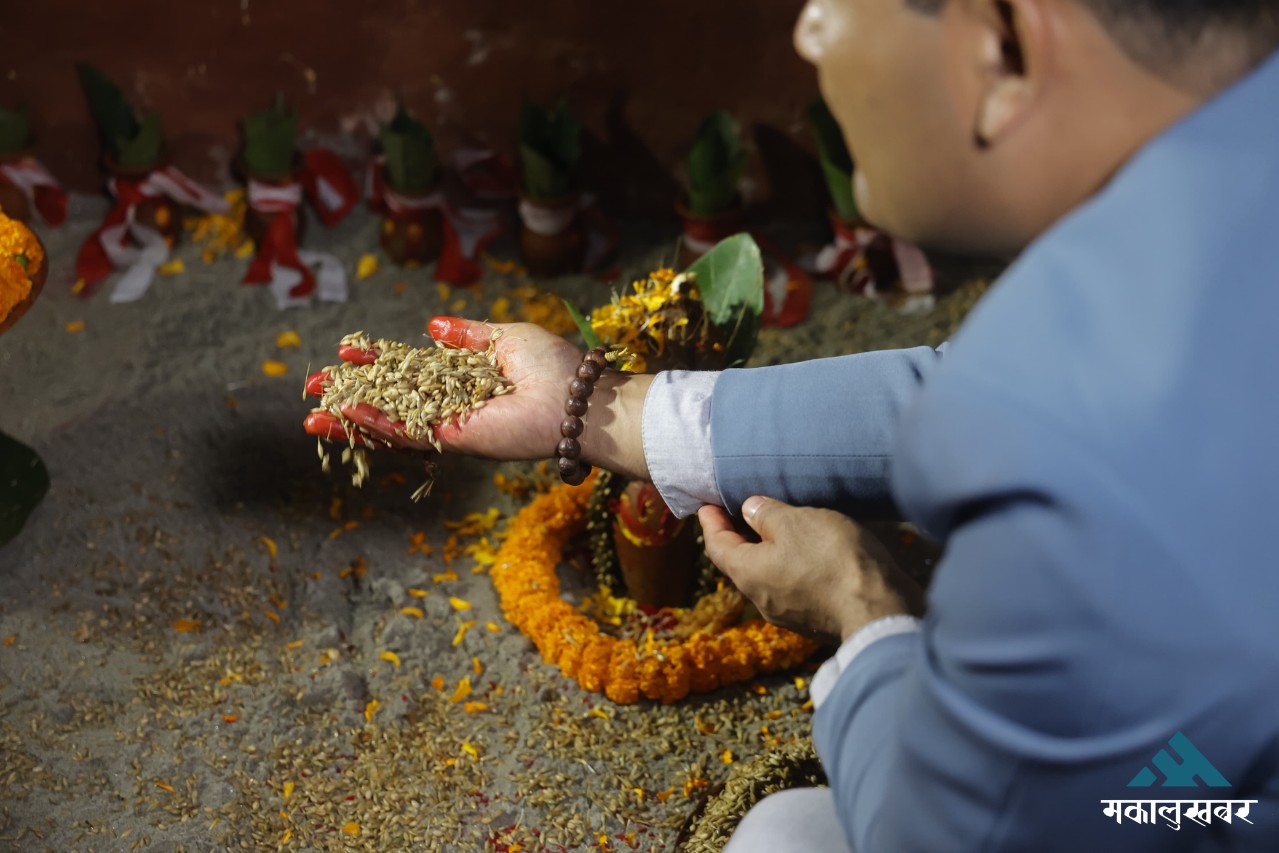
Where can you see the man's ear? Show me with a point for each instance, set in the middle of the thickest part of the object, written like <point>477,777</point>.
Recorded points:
<point>1012,50</point>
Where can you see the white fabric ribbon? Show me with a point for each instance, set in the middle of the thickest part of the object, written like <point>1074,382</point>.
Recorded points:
<point>27,174</point>
<point>330,280</point>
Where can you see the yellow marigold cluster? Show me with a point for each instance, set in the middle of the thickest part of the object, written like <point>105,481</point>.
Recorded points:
<point>21,257</point>
<point>638,321</point>
<point>622,669</point>
<point>219,234</point>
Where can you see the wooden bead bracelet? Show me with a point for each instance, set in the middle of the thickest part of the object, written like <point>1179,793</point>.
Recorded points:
<point>569,451</point>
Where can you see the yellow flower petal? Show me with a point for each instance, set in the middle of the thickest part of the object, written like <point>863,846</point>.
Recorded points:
<point>173,267</point>
<point>727,756</point>
<point>415,612</point>
<point>75,326</point>
<point>288,340</point>
<point>392,657</point>
<point>371,709</point>
<point>351,828</point>
<point>271,367</point>
<point>461,632</point>
<point>270,545</point>
<point>186,626</point>
<point>414,592</point>
<point>288,789</point>
<point>463,690</point>
<point>366,267</point>
<point>470,750</point>
<point>458,603</point>
<point>472,707</point>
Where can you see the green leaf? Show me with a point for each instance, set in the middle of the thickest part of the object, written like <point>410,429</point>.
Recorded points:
<point>411,161</point>
<point>731,280</point>
<point>111,111</point>
<point>715,165</point>
<point>143,150</point>
<point>14,130</point>
<point>550,143</point>
<point>591,339</point>
<point>837,162</point>
<point>268,140</point>
<point>23,483</point>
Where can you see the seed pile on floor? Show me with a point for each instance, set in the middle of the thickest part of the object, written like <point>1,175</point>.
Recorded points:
<point>418,387</point>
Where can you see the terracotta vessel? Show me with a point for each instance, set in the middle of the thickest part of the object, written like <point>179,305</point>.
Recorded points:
<point>555,243</point>
<point>701,233</point>
<point>656,551</point>
<point>413,236</point>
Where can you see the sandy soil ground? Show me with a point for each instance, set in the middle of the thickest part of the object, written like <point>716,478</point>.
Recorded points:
<point>174,459</point>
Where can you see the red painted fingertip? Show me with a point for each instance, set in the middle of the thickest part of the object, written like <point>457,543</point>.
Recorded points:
<point>446,330</point>
<point>315,383</point>
<point>355,355</point>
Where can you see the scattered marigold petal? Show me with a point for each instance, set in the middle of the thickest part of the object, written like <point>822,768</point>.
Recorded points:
<point>288,834</point>
<point>245,249</point>
<point>463,690</point>
<point>79,286</point>
<point>470,750</point>
<point>459,603</point>
<point>800,683</point>
<point>472,707</point>
<point>270,545</point>
<point>75,326</point>
<point>186,626</point>
<point>288,789</point>
<point>230,718</point>
<point>446,575</point>
<point>438,682</point>
<point>392,657</point>
<point>371,709</point>
<point>477,666</point>
<point>173,267</point>
<point>164,786</point>
<point>759,689</point>
<point>366,267</point>
<point>296,644</point>
<point>601,713</point>
<point>288,339</point>
<point>807,706</point>
<point>703,726</point>
<point>351,828</point>
<point>493,627</point>
<point>726,756</point>
<point>415,612</point>
<point>663,796</point>
<point>272,615</point>
<point>11,639</point>
<point>461,632</point>
<point>443,291</point>
<point>271,367</point>
<point>414,592</point>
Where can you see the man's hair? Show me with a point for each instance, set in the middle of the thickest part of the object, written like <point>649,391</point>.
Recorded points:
<point>1160,33</point>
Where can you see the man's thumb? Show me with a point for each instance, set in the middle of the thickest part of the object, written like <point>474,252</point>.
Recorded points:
<point>761,513</point>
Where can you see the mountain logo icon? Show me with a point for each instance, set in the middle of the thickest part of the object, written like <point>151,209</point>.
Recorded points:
<point>1191,771</point>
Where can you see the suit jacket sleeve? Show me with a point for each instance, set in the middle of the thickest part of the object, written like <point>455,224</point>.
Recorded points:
<point>816,433</point>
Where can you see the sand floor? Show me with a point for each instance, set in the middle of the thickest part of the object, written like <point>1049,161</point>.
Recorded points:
<point>174,458</point>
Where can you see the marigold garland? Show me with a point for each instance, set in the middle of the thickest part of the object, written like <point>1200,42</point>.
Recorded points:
<point>529,591</point>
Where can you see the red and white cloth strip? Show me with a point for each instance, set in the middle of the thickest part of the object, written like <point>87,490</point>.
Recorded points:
<point>839,261</point>
<point>296,276</point>
<point>41,188</point>
<point>121,242</point>
<point>601,236</point>
<point>467,230</point>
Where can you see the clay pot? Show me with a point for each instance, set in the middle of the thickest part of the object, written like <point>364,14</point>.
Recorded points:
<point>13,201</point>
<point>158,212</point>
<point>703,232</point>
<point>37,284</point>
<point>656,551</point>
<point>548,251</point>
<point>413,237</point>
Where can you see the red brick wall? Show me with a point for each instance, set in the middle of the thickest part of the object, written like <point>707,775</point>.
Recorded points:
<point>641,76</point>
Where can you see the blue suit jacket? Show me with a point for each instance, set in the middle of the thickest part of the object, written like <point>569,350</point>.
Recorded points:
<point>1098,450</point>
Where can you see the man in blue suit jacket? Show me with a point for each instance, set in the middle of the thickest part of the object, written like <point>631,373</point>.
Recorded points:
<point>1099,662</point>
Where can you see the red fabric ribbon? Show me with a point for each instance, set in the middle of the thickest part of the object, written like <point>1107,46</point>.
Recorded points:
<point>40,187</point>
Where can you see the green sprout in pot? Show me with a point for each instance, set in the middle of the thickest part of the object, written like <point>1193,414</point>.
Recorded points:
<point>715,166</point>
<point>837,162</point>
<point>130,143</point>
<point>550,143</point>
<point>411,162</point>
<point>268,141</point>
<point>14,130</point>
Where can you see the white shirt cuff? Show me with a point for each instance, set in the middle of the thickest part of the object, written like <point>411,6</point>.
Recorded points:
<point>676,429</point>
<point>824,681</point>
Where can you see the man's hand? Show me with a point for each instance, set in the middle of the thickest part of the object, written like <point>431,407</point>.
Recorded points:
<point>814,571</point>
<point>522,424</point>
